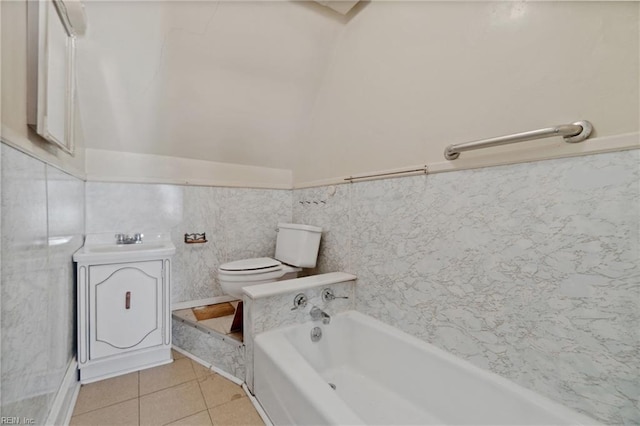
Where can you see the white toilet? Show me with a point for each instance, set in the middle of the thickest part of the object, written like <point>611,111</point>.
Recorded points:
<point>296,248</point>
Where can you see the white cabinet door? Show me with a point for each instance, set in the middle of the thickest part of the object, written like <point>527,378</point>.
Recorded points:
<point>125,307</point>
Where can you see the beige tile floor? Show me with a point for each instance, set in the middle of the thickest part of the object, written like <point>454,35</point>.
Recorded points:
<point>181,393</point>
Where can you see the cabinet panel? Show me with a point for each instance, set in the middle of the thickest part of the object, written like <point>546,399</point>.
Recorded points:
<point>125,305</point>
<point>51,73</point>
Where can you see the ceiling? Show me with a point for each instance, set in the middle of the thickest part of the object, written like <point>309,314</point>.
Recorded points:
<point>228,81</point>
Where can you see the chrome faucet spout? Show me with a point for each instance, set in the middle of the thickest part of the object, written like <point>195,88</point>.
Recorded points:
<point>127,239</point>
<point>319,314</point>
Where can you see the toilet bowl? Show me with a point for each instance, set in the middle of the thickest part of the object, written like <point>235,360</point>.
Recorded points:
<point>233,276</point>
<point>296,248</point>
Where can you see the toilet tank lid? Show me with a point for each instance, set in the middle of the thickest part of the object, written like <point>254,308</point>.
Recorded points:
<point>310,228</point>
<point>257,263</point>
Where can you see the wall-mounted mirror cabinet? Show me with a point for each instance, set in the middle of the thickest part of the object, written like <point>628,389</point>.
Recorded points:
<point>51,70</point>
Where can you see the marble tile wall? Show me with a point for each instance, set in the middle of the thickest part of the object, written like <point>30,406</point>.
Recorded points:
<point>238,222</point>
<point>528,270</point>
<point>194,265</point>
<point>65,202</point>
<point>531,270</point>
<point>273,312</point>
<point>227,355</point>
<point>331,211</point>
<point>42,225</point>
<point>250,218</point>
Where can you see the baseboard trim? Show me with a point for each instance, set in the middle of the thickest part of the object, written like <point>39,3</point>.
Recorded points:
<point>221,372</point>
<point>65,400</point>
<point>256,404</point>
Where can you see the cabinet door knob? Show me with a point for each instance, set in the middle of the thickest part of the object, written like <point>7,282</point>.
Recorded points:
<point>127,300</point>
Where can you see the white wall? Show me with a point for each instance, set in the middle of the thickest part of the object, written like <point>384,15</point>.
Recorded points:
<point>228,82</point>
<point>409,78</point>
<point>117,166</point>
<point>291,86</point>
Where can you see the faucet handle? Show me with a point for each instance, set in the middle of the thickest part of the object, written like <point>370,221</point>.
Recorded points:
<point>300,301</point>
<point>138,238</point>
<point>119,238</point>
<point>327,295</point>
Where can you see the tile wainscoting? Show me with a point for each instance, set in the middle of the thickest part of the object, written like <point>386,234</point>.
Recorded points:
<point>227,355</point>
<point>42,226</point>
<point>528,270</point>
<point>239,223</point>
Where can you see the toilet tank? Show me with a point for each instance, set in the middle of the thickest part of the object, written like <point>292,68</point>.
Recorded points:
<point>297,245</point>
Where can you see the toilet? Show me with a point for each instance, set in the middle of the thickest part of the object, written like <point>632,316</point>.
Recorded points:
<point>296,248</point>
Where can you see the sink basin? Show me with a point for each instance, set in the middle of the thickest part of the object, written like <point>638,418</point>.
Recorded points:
<point>121,248</point>
<point>101,248</point>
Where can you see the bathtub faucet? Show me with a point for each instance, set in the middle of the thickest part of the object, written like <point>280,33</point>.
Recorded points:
<point>319,314</point>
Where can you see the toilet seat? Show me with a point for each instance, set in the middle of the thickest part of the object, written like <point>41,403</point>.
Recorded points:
<point>256,266</point>
<point>261,269</point>
<point>233,276</point>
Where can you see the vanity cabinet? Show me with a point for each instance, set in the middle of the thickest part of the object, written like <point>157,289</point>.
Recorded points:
<point>123,317</point>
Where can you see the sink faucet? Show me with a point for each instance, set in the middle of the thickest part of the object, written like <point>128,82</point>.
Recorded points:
<point>317,314</point>
<point>127,239</point>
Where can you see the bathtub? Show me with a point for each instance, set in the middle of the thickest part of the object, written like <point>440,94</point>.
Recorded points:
<point>384,376</point>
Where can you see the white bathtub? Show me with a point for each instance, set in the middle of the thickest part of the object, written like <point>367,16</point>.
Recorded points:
<point>384,376</point>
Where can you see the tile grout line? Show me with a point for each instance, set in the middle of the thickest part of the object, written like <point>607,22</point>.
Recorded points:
<point>204,399</point>
<point>138,397</point>
<point>165,388</point>
<point>182,418</point>
<point>106,406</point>
<point>139,419</point>
<point>208,409</point>
<point>180,384</point>
<point>210,418</point>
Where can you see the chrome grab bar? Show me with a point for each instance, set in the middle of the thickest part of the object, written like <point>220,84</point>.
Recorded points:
<point>572,133</point>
